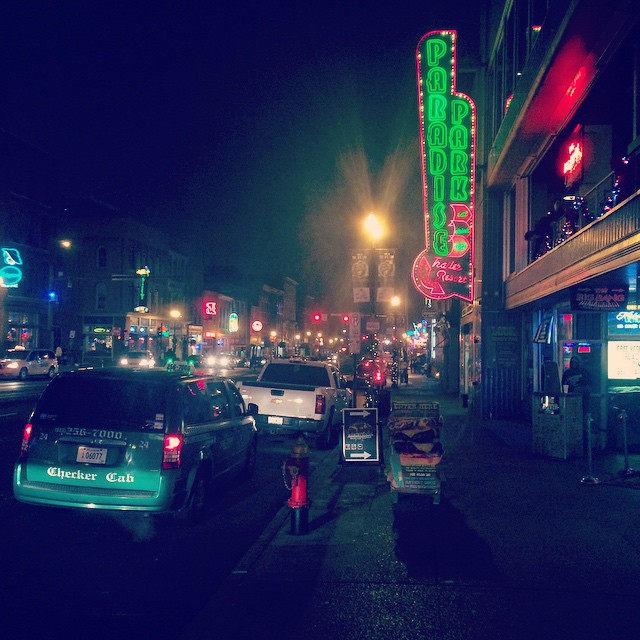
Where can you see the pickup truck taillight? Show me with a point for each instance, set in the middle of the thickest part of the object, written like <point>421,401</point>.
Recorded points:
<point>26,436</point>
<point>171,451</point>
<point>321,403</point>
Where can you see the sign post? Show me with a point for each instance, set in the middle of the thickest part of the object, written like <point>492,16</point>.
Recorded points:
<point>360,435</point>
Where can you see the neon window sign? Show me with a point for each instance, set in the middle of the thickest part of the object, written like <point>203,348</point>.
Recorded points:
<point>447,139</point>
<point>572,159</point>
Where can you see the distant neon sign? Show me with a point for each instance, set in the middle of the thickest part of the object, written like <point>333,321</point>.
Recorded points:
<point>144,273</point>
<point>210,308</point>
<point>10,271</point>
<point>447,137</point>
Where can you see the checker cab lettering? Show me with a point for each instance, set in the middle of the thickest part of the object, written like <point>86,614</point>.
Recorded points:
<point>117,477</point>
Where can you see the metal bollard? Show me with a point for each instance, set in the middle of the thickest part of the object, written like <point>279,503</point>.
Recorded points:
<point>589,479</point>
<point>627,471</point>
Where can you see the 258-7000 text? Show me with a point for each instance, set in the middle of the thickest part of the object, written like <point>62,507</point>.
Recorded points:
<point>89,433</point>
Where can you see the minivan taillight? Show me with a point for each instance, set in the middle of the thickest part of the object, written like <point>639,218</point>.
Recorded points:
<point>26,437</point>
<point>171,451</point>
<point>321,403</point>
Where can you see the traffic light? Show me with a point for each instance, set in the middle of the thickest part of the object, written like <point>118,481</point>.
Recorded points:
<point>345,318</point>
<point>317,317</point>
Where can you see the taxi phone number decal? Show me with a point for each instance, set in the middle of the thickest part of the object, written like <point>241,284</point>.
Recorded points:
<point>91,433</point>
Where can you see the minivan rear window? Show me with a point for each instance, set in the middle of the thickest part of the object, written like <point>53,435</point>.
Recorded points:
<point>136,405</point>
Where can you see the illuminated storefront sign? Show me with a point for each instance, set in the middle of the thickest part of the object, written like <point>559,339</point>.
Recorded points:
<point>447,136</point>
<point>624,323</point>
<point>256,325</point>
<point>585,297</point>
<point>142,306</point>
<point>10,271</point>
<point>210,308</point>
<point>233,322</point>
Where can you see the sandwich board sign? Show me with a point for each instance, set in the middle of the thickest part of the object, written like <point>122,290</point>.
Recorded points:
<point>360,435</point>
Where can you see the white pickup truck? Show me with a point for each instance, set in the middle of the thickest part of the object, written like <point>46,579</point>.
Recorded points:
<point>294,396</point>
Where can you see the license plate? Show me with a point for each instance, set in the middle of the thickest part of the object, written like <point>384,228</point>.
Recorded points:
<point>274,419</point>
<point>91,454</point>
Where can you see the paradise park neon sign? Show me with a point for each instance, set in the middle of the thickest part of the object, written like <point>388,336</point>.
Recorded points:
<point>447,139</point>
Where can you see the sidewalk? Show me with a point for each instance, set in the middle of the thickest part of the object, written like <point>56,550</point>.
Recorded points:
<point>518,548</point>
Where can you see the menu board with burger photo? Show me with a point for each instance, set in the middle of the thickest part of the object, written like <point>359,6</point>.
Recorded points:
<point>415,449</point>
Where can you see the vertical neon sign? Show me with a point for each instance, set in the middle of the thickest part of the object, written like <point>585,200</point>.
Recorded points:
<point>447,139</point>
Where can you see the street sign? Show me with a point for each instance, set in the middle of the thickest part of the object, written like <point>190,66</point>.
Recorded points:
<point>360,436</point>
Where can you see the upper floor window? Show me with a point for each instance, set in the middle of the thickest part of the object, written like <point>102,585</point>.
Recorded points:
<point>101,257</point>
<point>101,297</point>
<point>521,24</point>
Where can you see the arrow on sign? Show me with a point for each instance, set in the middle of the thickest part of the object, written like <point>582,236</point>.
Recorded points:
<point>364,455</point>
<point>364,414</point>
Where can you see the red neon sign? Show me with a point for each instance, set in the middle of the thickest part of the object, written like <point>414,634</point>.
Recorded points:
<point>447,138</point>
<point>210,308</point>
<point>572,158</point>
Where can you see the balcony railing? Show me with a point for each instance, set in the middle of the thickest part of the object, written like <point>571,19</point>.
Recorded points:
<point>572,213</point>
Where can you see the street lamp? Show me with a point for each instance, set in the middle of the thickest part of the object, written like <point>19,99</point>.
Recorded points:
<point>175,314</point>
<point>395,303</point>
<point>52,295</point>
<point>375,231</point>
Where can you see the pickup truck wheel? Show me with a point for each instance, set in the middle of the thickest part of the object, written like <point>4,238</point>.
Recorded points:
<point>325,440</point>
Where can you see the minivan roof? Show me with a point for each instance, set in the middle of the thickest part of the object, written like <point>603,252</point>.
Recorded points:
<point>118,373</point>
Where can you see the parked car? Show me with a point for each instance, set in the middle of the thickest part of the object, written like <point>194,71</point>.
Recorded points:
<point>134,440</point>
<point>138,360</point>
<point>22,363</point>
<point>198,364</point>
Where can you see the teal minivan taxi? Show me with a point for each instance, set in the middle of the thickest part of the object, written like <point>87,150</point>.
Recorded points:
<point>134,440</point>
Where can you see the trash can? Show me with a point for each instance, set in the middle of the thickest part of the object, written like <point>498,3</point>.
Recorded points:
<point>557,425</point>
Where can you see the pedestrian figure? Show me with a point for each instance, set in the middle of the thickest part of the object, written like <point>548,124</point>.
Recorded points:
<point>404,371</point>
<point>578,380</point>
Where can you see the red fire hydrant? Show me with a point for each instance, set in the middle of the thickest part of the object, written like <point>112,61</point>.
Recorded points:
<point>297,466</point>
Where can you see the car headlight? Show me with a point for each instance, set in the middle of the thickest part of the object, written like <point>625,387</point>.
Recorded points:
<point>124,361</point>
<point>211,361</point>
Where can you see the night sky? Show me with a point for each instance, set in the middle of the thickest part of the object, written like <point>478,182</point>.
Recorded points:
<point>261,134</point>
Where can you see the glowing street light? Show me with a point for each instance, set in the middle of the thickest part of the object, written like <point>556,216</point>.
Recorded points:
<point>373,228</point>
<point>175,314</point>
<point>375,231</point>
